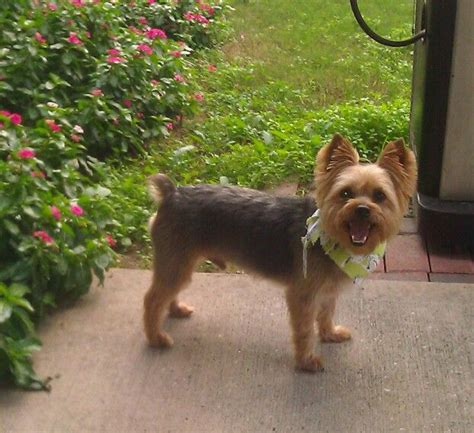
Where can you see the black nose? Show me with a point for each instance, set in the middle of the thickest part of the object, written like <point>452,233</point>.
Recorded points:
<point>362,211</point>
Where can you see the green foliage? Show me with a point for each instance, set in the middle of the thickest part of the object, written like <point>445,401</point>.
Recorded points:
<point>251,137</point>
<point>266,136</point>
<point>53,226</point>
<point>79,79</point>
<point>17,340</point>
<point>117,67</point>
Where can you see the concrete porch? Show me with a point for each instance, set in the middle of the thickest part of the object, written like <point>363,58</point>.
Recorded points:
<point>407,369</point>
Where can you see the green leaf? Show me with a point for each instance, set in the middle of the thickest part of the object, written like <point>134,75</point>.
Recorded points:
<point>23,303</point>
<point>18,290</point>
<point>24,319</point>
<point>33,213</point>
<point>126,242</point>
<point>102,261</point>
<point>79,249</point>
<point>33,51</point>
<point>267,137</point>
<point>67,58</point>
<point>61,265</point>
<point>5,311</point>
<point>11,227</point>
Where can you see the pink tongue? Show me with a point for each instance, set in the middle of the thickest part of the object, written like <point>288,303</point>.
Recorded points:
<point>359,231</point>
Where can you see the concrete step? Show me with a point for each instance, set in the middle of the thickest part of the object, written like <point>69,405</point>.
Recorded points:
<point>407,369</point>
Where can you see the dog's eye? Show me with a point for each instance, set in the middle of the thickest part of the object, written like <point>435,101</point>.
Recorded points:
<point>346,194</point>
<point>379,196</point>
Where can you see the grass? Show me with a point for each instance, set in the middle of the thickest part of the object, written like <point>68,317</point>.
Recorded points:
<point>317,46</point>
<point>291,74</point>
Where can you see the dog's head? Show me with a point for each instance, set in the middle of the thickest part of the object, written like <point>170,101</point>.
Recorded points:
<point>361,205</point>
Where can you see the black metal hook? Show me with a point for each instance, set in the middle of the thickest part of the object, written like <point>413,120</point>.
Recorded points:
<point>377,37</point>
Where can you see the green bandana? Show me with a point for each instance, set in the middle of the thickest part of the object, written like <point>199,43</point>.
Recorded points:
<point>356,267</point>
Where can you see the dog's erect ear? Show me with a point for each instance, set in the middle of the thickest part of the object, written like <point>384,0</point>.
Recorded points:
<point>336,155</point>
<point>400,163</point>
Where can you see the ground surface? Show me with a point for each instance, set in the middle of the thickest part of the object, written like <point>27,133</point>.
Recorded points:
<point>408,369</point>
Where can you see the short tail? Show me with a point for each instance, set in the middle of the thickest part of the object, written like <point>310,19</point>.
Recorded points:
<point>160,187</point>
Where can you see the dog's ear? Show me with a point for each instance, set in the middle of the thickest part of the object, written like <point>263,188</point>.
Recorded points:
<point>400,164</point>
<point>336,155</point>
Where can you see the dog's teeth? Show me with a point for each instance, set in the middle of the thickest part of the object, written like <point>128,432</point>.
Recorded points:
<point>359,241</point>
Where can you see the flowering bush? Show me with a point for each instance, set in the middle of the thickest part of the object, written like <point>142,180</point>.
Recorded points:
<point>113,64</point>
<point>53,230</point>
<point>79,79</point>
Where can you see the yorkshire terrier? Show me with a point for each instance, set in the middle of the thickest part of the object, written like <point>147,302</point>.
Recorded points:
<point>356,209</point>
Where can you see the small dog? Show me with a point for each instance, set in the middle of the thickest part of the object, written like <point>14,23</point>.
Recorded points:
<point>359,207</point>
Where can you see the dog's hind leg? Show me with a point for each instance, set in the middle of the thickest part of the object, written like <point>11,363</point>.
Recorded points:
<point>168,279</point>
<point>180,309</point>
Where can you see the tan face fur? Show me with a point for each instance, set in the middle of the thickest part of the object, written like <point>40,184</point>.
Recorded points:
<point>361,205</point>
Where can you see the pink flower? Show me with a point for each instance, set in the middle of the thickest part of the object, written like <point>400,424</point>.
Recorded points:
<point>154,33</point>
<point>179,78</point>
<point>52,6</point>
<point>53,125</point>
<point>77,210</point>
<point>76,138</point>
<point>113,52</point>
<point>208,8</point>
<point>201,19</point>
<point>169,126</point>
<point>127,103</point>
<point>144,48</point>
<point>73,38</point>
<point>2,125</point>
<point>55,212</point>
<point>154,82</point>
<point>110,240</point>
<point>26,153</point>
<point>40,38</point>
<point>143,21</point>
<point>5,113</point>
<point>150,2</point>
<point>115,59</point>
<point>41,234</point>
<point>77,3</point>
<point>15,118</point>
<point>96,92</point>
<point>176,53</point>
<point>88,34</point>
<point>212,68</point>
<point>189,16</point>
<point>198,96</point>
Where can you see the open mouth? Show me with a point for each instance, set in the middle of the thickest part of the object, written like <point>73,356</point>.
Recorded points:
<point>359,231</point>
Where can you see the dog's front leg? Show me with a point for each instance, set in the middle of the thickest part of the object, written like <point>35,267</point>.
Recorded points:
<point>328,332</point>
<point>302,307</point>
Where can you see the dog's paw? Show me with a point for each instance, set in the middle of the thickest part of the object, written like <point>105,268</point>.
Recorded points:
<point>180,310</point>
<point>162,340</point>
<point>311,364</point>
<point>336,335</point>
